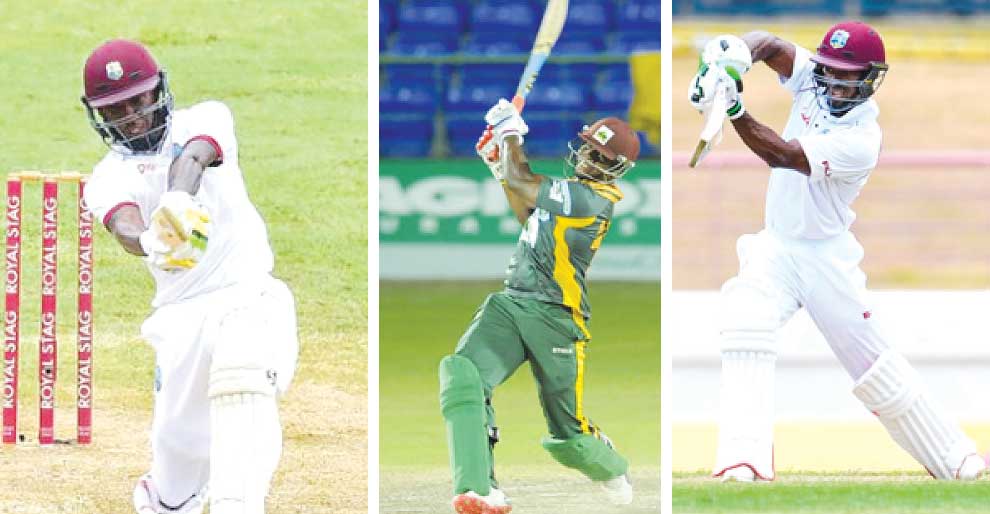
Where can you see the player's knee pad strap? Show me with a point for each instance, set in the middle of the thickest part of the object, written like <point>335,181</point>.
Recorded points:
<point>236,380</point>
<point>893,390</point>
<point>587,454</point>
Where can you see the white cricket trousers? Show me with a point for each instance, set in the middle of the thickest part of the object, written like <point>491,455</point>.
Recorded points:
<point>184,336</point>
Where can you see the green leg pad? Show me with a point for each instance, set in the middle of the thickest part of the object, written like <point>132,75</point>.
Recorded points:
<point>587,454</point>
<point>462,402</point>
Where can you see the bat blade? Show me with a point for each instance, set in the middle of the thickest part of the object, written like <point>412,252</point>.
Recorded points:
<point>550,28</point>
<point>711,132</point>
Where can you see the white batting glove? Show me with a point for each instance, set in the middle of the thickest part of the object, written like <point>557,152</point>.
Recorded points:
<point>505,121</point>
<point>729,53</point>
<point>733,96</point>
<point>701,91</point>
<point>179,232</point>
<point>487,149</point>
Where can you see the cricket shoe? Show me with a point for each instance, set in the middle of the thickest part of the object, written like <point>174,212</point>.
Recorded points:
<point>147,501</point>
<point>973,467</point>
<point>739,474</point>
<point>473,503</point>
<point>618,490</point>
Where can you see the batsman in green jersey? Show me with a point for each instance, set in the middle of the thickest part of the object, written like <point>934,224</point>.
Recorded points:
<point>542,314</point>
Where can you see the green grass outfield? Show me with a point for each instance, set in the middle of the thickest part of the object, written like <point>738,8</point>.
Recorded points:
<point>834,493</point>
<point>420,322</point>
<point>296,81</point>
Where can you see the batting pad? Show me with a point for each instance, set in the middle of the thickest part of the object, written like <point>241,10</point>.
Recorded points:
<point>746,403</point>
<point>462,402</point>
<point>893,390</point>
<point>587,454</point>
<point>245,446</point>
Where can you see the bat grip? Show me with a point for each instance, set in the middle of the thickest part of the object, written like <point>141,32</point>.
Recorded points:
<point>519,102</point>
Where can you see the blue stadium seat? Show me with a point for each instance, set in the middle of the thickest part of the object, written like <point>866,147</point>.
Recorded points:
<point>647,149</point>
<point>494,44</point>
<point>638,15</point>
<point>424,43</point>
<point>579,43</point>
<point>436,16</point>
<point>405,137</point>
<point>475,99</point>
<point>386,18</point>
<point>507,18</point>
<point>617,73</point>
<point>463,133</point>
<point>407,99</point>
<point>419,73</point>
<point>582,72</point>
<point>590,16</point>
<point>629,42</point>
<point>567,97</point>
<point>548,137</point>
<point>612,97</point>
<point>505,74</point>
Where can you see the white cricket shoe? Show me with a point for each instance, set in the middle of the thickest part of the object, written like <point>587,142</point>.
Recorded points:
<point>618,490</point>
<point>973,467</point>
<point>473,503</point>
<point>739,474</point>
<point>147,501</point>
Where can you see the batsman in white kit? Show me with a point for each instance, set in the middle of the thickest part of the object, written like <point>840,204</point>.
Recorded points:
<point>806,256</point>
<point>224,330</point>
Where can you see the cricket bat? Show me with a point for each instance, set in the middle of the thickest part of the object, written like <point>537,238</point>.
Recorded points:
<point>550,28</point>
<point>711,132</point>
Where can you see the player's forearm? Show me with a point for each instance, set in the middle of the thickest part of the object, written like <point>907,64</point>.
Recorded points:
<point>186,171</point>
<point>520,209</point>
<point>769,146</point>
<point>126,228</point>
<point>519,177</point>
<point>777,53</point>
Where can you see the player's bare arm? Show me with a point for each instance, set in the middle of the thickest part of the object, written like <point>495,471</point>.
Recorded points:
<point>126,226</point>
<point>522,185</point>
<point>186,171</point>
<point>777,53</point>
<point>769,146</point>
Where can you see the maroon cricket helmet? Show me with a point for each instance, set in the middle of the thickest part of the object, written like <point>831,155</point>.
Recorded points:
<point>850,46</point>
<point>116,71</point>
<point>612,138</point>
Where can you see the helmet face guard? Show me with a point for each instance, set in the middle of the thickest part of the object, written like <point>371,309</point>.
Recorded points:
<point>149,141</point>
<point>582,158</point>
<point>863,88</point>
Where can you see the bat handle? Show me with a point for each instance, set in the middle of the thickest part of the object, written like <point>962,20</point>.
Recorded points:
<point>519,102</point>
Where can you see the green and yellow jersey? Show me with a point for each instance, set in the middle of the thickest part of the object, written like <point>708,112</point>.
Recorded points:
<point>558,242</point>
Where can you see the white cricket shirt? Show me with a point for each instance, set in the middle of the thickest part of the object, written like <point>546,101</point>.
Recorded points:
<point>238,249</point>
<point>842,152</point>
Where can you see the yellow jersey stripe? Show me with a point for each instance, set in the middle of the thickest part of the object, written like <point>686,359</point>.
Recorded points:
<point>563,270</point>
<point>608,191</point>
<point>579,388</point>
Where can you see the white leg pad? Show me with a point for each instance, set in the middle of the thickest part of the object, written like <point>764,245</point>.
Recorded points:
<point>745,436</point>
<point>148,501</point>
<point>245,449</point>
<point>892,389</point>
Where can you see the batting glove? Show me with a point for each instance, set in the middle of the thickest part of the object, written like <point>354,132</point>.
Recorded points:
<point>487,149</point>
<point>179,232</point>
<point>506,121</point>
<point>702,88</point>
<point>733,96</point>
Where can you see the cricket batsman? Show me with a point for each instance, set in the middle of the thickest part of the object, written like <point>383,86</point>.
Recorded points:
<point>224,330</point>
<point>806,256</point>
<point>543,313</point>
